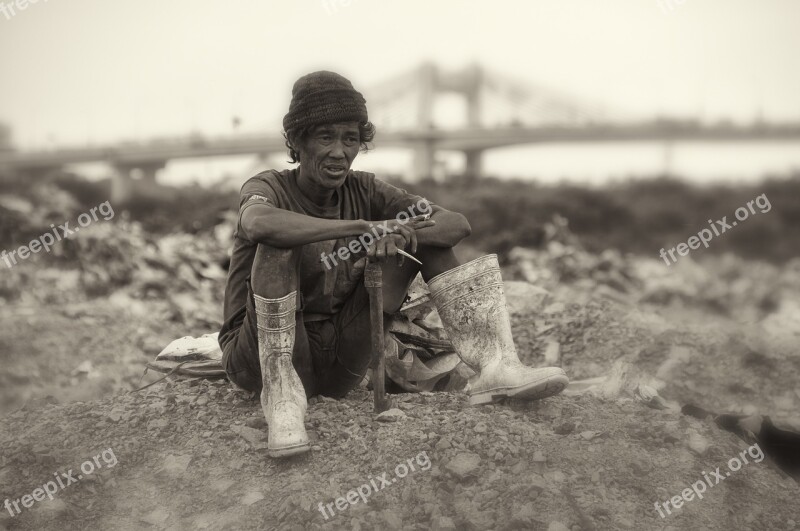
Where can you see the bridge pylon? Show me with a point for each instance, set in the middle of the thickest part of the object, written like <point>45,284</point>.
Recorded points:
<point>429,82</point>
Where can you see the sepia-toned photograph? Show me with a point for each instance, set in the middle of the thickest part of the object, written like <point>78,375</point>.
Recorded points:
<point>380,265</point>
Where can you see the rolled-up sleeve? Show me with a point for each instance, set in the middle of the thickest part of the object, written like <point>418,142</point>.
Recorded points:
<point>254,192</point>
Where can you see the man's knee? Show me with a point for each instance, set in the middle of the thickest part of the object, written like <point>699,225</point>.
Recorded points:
<point>280,257</point>
<point>397,279</point>
<point>437,260</point>
<point>274,271</point>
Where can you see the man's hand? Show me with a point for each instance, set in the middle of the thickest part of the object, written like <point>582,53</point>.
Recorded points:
<point>398,235</point>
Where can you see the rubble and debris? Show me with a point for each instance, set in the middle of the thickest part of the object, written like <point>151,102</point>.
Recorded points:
<point>746,290</point>
<point>610,449</point>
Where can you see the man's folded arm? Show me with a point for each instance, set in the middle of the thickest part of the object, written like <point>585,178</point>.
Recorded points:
<point>262,223</point>
<point>451,227</point>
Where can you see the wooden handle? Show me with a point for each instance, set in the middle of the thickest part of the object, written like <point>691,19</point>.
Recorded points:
<point>373,281</point>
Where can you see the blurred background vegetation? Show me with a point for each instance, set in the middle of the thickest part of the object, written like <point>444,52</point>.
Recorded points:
<point>637,216</point>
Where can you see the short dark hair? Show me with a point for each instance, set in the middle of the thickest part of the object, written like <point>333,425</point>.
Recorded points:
<point>296,137</point>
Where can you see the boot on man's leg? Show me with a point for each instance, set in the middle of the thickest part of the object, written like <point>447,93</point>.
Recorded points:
<point>283,398</point>
<point>472,306</point>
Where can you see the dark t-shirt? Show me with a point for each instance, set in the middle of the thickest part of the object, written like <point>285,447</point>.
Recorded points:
<point>324,290</point>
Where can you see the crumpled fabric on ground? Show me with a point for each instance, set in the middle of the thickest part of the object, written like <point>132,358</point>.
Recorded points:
<point>417,352</point>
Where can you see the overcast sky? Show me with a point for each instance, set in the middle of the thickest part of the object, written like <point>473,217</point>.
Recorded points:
<point>77,71</point>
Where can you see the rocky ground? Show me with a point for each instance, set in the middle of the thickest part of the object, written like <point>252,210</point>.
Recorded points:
<point>76,332</point>
<point>190,454</point>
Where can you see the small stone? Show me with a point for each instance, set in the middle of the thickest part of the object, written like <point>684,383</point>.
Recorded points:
<point>256,438</point>
<point>55,506</point>
<point>84,369</point>
<point>443,523</point>
<point>393,521</point>
<point>524,517</point>
<point>176,465</point>
<point>392,415</point>
<point>157,424</point>
<point>480,427</point>
<point>672,433</point>
<point>257,423</point>
<point>565,428</point>
<point>252,497</point>
<point>537,482</point>
<point>156,517</point>
<point>443,444</point>
<point>589,434</point>
<point>463,465</point>
<point>524,297</point>
<point>697,443</point>
<point>539,461</point>
<point>485,497</point>
<point>202,521</point>
<point>552,352</point>
<point>640,467</point>
<point>556,307</point>
<point>222,485</point>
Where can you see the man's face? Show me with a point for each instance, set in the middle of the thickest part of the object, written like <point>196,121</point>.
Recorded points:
<point>329,152</point>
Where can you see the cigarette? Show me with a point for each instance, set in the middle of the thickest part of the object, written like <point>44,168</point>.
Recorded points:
<point>400,251</point>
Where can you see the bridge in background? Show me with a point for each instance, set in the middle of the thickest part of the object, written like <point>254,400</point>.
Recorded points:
<point>500,112</point>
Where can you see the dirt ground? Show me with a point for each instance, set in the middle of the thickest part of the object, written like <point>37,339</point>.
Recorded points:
<point>190,454</point>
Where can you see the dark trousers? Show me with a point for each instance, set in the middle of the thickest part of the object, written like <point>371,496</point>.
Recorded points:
<point>331,356</point>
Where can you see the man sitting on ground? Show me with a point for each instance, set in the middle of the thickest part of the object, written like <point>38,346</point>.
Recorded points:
<point>296,316</point>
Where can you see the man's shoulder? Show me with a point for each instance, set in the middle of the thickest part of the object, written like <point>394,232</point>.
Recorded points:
<point>267,186</point>
<point>266,177</point>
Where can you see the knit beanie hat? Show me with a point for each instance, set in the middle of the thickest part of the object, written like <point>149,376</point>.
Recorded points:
<point>324,97</point>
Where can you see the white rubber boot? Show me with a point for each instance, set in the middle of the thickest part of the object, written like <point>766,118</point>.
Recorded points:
<point>472,306</point>
<point>283,397</point>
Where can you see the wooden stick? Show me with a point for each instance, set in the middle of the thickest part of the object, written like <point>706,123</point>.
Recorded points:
<point>373,281</point>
